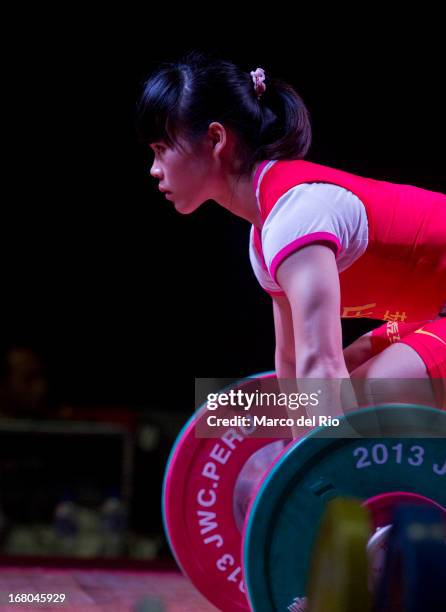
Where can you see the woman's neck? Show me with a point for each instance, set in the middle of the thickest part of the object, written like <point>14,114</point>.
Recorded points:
<point>239,197</point>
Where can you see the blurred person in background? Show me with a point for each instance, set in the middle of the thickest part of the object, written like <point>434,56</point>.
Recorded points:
<point>23,384</point>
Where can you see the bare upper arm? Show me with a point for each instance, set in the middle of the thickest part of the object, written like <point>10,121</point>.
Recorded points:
<point>310,280</point>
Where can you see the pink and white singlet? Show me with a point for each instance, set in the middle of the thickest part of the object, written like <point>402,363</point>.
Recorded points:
<point>389,241</point>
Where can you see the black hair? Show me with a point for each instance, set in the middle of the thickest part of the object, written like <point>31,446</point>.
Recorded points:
<point>182,98</point>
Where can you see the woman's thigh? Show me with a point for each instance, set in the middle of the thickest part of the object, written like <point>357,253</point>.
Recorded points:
<point>373,342</point>
<point>359,351</point>
<point>411,370</point>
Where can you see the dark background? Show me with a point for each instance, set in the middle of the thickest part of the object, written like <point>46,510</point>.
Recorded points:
<point>122,299</point>
<point>126,300</point>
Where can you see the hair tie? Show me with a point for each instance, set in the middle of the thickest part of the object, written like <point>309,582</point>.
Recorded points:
<point>258,78</point>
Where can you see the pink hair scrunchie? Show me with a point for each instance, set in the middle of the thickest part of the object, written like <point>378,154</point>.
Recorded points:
<point>258,78</point>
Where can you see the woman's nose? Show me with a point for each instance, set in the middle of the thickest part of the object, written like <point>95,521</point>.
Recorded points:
<point>155,171</point>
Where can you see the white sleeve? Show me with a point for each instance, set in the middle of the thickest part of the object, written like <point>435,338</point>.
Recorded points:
<point>315,212</point>
<point>259,269</point>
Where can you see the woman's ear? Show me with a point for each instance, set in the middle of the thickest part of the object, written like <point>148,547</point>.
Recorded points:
<point>218,137</point>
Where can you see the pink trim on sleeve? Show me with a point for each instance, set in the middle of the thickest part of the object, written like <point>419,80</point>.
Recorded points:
<point>299,243</point>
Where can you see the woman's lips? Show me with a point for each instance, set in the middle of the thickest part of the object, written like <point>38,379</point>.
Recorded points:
<point>164,192</point>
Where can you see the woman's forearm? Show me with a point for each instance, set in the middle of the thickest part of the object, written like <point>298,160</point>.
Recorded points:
<point>336,393</point>
<point>285,368</point>
<point>334,387</point>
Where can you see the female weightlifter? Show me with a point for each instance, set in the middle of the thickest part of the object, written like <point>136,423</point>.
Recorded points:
<point>324,243</point>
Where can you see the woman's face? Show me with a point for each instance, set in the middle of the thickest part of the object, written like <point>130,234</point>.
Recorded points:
<point>185,175</point>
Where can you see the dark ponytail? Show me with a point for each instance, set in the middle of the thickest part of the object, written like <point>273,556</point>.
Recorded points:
<point>286,130</point>
<point>181,99</point>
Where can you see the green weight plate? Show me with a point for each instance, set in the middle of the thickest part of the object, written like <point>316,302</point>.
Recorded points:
<point>284,518</point>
